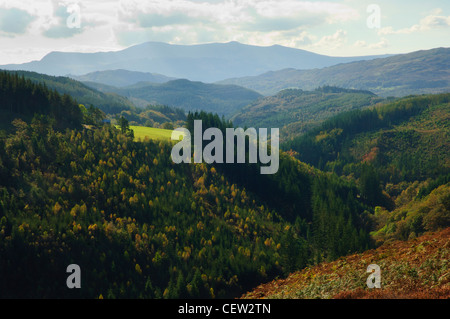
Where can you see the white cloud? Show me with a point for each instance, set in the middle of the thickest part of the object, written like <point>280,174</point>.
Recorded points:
<point>432,21</point>
<point>316,25</point>
<point>228,20</point>
<point>383,43</point>
<point>334,41</point>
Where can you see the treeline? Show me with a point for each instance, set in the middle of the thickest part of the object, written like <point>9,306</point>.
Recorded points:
<point>336,89</point>
<point>24,98</point>
<point>159,116</point>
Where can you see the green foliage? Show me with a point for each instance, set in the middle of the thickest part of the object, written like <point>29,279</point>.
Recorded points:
<point>23,98</point>
<point>370,185</point>
<point>92,115</point>
<point>292,192</point>
<point>404,140</point>
<point>297,111</point>
<point>140,226</point>
<point>158,116</point>
<point>107,102</point>
<point>428,213</point>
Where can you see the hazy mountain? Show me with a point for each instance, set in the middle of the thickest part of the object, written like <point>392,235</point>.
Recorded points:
<point>204,62</point>
<point>185,94</point>
<point>121,78</point>
<point>426,71</point>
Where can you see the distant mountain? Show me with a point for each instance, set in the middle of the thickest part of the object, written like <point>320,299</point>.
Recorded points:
<point>204,62</point>
<point>107,102</point>
<point>400,75</point>
<point>121,78</point>
<point>190,96</point>
<point>296,111</point>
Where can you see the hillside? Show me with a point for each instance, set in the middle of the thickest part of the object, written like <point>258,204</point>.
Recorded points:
<point>405,140</point>
<point>426,71</point>
<point>203,62</point>
<point>413,269</point>
<point>140,226</point>
<point>296,111</point>
<point>187,95</point>
<point>121,78</point>
<point>22,98</point>
<point>397,154</point>
<point>107,102</point>
<point>157,116</point>
<point>111,104</point>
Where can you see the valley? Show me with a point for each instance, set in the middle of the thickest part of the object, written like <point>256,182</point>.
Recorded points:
<point>87,176</point>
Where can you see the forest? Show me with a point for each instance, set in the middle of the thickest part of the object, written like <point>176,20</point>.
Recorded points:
<point>76,190</point>
<point>397,154</point>
<point>296,111</point>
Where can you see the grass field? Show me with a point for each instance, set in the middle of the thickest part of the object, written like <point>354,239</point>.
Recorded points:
<point>141,132</point>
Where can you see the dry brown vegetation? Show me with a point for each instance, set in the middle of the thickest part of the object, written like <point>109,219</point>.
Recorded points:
<point>413,269</point>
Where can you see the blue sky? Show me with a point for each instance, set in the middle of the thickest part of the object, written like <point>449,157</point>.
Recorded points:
<point>29,29</point>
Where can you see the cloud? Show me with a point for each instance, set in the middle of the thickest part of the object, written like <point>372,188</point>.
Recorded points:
<point>336,40</point>
<point>432,21</point>
<point>14,21</point>
<point>383,43</point>
<point>66,20</point>
<point>227,20</point>
<point>289,13</point>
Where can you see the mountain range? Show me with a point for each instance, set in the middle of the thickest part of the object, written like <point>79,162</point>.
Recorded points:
<point>223,99</point>
<point>425,71</point>
<point>203,62</point>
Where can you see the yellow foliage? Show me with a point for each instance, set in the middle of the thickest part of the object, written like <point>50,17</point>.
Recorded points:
<point>138,269</point>
<point>57,208</point>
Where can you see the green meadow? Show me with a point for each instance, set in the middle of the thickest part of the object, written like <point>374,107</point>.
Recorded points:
<point>141,132</point>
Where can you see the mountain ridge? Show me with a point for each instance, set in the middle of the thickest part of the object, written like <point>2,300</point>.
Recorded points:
<point>419,72</point>
<point>209,62</point>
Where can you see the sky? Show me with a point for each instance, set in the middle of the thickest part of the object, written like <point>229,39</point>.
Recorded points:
<point>30,29</point>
